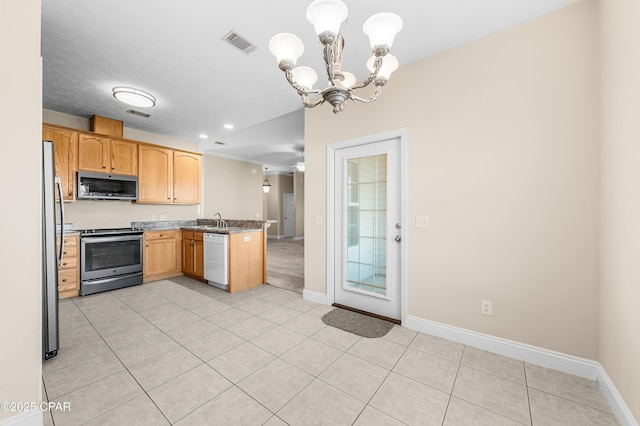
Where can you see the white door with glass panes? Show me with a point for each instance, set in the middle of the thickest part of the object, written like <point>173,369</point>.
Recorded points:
<point>368,228</point>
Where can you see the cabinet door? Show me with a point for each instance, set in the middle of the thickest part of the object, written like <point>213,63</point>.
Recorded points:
<point>159,257</point>
<point>186,178</point>
<point>187,256</point>
<point>198,254</point>
<point>124,157</point>
<point>155,175</point>
<point>94,153</point>
<point>65,145</point>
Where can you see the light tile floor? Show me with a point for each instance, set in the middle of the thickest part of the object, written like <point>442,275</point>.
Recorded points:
<point>181,352</point>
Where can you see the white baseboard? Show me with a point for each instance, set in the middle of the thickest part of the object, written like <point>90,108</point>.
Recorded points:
<point>547,358</point>
<point>615,399</point>
<point>314,296</point>
<point>298,238</point>
<point>29,418</point>
<point>275,237</point>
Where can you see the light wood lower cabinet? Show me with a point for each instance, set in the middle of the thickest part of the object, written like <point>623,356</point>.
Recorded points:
<point>69,269</point>
<point>246,260</point>
<point>193,254</point>
<point>162,255</point>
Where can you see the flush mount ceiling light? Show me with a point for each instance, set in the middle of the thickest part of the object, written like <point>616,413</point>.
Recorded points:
<point>134,97</point>
<point>328,17</point>
<point>203,136</point>
<point>228,126</point>
<point>266,186</point>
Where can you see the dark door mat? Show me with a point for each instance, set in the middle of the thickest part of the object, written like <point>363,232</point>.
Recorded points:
<point>353,322</point>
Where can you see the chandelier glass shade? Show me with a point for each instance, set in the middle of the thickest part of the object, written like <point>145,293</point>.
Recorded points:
<point>327,18</point>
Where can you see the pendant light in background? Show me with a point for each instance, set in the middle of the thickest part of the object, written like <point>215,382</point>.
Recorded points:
<point>266,186</point>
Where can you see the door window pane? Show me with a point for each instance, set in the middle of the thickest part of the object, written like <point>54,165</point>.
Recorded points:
<point>366,188</point>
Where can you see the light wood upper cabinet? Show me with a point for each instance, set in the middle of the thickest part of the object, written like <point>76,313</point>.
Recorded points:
<point>65,145</point>
<point>94,153</point>
<point>124,157</point>
<point>167,176</point>
<point>155,175</point>
<point>186,178</point>
<point>102,154</point>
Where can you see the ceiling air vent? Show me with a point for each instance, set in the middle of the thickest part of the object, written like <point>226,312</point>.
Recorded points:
<point>239,42</point>
<point>138,113</point>
<point>219,143</point>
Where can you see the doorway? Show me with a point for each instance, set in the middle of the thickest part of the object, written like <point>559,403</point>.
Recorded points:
<point>288,210</point>
<point>366,210</point>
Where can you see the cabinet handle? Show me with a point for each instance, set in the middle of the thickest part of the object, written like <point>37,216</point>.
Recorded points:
<point>161,235</point>
<point>64,280</point>
<point>147,246</point>
<point>104,167</point>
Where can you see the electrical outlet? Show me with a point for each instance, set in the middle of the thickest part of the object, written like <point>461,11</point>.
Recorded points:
<point>154,217</point>
<point>486,308</point>
<point>163,217</point>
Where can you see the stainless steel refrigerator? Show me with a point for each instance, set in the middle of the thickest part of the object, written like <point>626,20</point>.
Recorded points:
<point>51,255</point>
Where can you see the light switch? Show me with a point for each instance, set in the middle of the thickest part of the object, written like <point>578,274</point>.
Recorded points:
<point>318,220</point>
<point>422,221</point>
<point>254,171</point>
<point>154,217</point>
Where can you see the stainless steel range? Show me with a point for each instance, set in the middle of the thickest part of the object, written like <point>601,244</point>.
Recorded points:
<point>110,259</point>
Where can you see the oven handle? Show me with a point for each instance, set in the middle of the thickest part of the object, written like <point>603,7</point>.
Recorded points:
<point>111,239</point>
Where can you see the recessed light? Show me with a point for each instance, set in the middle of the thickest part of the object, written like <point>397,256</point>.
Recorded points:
<point>203,136</point>
<point>228,126</point>
<point>134,97</point>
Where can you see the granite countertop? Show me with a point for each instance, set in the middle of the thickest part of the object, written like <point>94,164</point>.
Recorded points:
<point>202,225</point>
<point>215,230</point>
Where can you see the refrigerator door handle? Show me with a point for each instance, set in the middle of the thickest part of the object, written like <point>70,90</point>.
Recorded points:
<point>59,187</point>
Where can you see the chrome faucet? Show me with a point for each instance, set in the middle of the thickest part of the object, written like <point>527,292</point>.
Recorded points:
<point>220,223</point>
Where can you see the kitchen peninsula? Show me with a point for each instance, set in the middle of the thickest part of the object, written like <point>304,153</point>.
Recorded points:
<point>173,248</point>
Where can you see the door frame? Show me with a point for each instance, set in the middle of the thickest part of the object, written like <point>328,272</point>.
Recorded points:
<point>331,168</point>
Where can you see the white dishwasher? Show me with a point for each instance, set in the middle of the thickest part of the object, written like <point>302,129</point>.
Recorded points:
<point>216,259</point>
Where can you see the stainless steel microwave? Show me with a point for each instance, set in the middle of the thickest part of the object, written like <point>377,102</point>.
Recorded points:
<point>101,186</point>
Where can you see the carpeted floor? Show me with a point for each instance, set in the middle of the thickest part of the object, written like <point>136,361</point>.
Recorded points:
<point>285,264</point>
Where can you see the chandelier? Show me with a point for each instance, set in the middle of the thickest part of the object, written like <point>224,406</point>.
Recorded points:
<point>328,17</point>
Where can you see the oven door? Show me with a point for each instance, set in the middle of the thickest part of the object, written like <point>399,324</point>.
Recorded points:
<point>109,256</point>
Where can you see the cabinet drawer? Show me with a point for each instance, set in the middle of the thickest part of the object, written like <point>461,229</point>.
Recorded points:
<point>67,278</point>
<point>69,252</point>
<point>69,263</point>
<point>198,236</point>
<point>69,240</point>
<point>187,235</point>
<point>159,235</point>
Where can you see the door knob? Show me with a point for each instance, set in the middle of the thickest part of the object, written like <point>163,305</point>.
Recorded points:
<point>398,226</point>
<point>398,238</point>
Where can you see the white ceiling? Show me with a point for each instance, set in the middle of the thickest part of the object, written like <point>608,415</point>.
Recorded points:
<point>173,49</point>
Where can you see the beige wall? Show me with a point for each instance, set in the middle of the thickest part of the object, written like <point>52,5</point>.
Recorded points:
<point>503,158</point>
<point>232,188</point>
<point>298,194</point>
<point>619,347</point>
<point>20,174</point>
